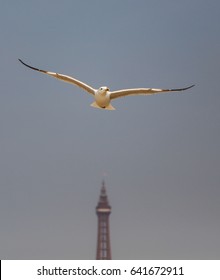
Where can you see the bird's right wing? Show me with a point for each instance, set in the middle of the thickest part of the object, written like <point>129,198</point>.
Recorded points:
<point>64,78</point>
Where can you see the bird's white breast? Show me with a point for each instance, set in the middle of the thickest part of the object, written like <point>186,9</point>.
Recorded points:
<point>102,98</point>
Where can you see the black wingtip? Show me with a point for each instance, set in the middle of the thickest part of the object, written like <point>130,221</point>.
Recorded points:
<point>181,89</point>
<point>23,62</point>
<point>30,66</point>
<point>190,87</point>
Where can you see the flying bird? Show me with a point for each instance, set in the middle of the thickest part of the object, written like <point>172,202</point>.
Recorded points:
<point>103,96</point>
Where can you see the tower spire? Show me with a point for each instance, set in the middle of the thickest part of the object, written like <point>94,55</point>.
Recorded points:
<point>103,210</point>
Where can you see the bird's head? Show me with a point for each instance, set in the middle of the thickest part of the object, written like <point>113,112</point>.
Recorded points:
<point>103,90</point>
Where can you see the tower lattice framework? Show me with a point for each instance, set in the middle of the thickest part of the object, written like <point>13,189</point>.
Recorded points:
<point>103,210</point>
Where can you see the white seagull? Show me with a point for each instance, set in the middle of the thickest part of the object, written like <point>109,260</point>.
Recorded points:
<point>103,95</point>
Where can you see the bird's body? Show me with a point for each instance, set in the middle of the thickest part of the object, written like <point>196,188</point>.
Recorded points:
<point>103,95</point>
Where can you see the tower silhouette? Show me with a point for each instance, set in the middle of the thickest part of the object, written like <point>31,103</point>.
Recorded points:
<point>103,210</point>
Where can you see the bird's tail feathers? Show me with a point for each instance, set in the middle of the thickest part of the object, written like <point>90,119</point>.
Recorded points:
<point>109,107</point>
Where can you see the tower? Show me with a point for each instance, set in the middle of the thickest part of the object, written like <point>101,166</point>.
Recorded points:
<point>103,210</point>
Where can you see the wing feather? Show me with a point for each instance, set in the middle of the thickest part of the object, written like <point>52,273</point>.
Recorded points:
<point>64,78</point>
<point>142,91</point>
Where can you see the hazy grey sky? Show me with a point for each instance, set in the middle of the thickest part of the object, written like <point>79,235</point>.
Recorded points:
<point>161,153</point>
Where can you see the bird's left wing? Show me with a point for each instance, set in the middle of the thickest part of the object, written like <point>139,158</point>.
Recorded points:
<point>64,78</point>
<point>142,91</point>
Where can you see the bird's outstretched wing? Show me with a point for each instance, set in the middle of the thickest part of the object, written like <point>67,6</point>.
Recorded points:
<point>142,91</point>
<point>64,78</point>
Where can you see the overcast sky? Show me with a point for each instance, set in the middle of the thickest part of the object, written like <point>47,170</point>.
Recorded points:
<point>159,155</point>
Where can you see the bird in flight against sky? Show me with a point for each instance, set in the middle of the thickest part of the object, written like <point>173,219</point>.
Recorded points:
<point>103,96</point>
